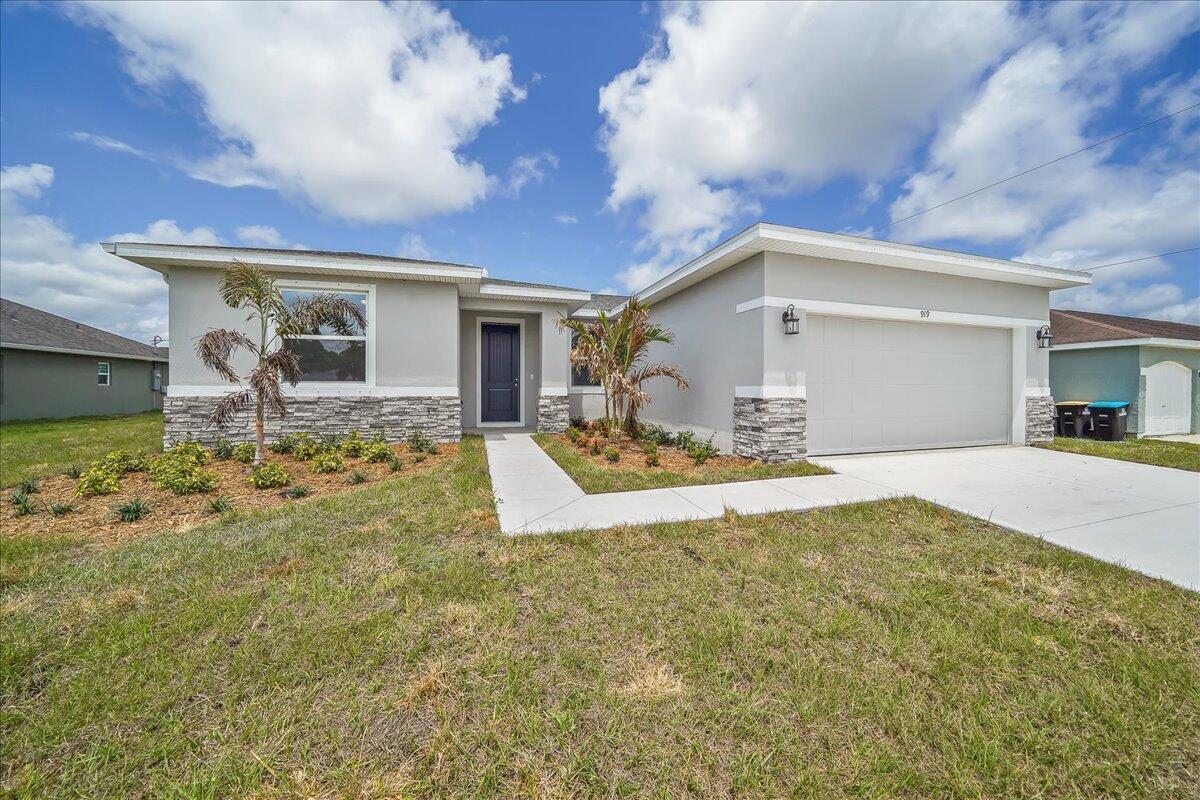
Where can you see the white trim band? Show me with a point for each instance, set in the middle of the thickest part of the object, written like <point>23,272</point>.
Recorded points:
<point>1037,391</point>
<point>889,312</point>
<point>553,391</point>
<point>770,392</point>
<point>1152,341</point>
<point>349,390</point>
<point>586,390</point>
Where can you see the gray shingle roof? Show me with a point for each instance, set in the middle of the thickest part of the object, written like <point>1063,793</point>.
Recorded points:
<point>31,327</point>
<point>1071,327</point>
<point>527,284</point>
<point>330,253</point>
<point>603,302</point>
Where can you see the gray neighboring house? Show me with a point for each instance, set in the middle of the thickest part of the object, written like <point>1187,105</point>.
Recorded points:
<point>53,367</point>
<point>890,346</point>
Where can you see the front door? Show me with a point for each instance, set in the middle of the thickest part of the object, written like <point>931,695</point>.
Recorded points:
<point>500,372</point>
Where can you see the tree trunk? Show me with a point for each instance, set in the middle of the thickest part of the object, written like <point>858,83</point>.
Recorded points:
<point>260,434</point>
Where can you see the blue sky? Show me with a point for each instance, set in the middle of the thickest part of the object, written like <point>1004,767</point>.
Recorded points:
<point>593,145</point>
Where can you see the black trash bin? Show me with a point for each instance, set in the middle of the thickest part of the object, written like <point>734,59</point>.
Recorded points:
<point>1073,417</point>
<point>1109,420</point>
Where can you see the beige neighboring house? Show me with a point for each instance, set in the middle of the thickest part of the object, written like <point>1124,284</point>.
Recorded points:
<point>887,346</point>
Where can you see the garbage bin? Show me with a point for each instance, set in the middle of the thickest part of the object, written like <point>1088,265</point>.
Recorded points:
<point>1109,419</point>
<point>1073,417</point>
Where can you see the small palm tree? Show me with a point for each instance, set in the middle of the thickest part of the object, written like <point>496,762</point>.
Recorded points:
<point>246,286</point>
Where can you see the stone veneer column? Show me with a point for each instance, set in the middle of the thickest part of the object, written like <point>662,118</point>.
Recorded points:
<point>770,429</point>
<point>438,417</point>
<point>1039,419</point>
<point>553,413</point>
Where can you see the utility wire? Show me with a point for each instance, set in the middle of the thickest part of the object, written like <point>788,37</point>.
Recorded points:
<point>1031,169</point>
<point>1143,258</point>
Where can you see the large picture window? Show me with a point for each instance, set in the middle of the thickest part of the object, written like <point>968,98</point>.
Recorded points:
<point>327,355</point>
<point>581,376</point>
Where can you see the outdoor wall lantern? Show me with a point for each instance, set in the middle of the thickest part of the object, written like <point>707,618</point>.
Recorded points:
<point>791,323</point>
<point>1045,338</point>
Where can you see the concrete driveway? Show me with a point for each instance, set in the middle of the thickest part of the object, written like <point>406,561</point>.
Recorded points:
<point>1145,518</point>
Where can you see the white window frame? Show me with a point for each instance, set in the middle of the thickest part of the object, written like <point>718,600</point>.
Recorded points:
<point>107,374</point>
<point>329,286</point>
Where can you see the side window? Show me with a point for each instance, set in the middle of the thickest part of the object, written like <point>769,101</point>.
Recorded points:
<point>580,376</point>
<point>103,376</point>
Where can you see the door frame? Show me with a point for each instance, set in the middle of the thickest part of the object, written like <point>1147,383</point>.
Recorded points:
<point>1144,412</point>
<point>519,324</point>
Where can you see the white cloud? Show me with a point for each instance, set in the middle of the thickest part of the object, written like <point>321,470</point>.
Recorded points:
<point>710,117</point>
<point>359,109</point>
<point>259,236</point>
<point>107,143</point>
<point>528,169</point>
<point>44,266</point>
<point>413,246</point>
<point>566,219</point>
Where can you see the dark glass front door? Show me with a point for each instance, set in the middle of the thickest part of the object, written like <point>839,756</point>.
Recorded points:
<point>500,365</point>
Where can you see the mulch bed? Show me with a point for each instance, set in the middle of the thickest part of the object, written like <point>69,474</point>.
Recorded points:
<point>96,519</point>
<point>670,458</point>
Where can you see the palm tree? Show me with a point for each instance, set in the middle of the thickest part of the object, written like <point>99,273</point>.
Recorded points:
<point>615,351</point>
<point>246,286</point>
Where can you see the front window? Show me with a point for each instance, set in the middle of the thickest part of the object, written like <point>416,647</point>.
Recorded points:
<point>325,355</point>
<point>581,376</point>
<point>103,375</point>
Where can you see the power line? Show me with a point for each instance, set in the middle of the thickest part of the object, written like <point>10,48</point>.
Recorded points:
<point>1031,169</point>
<point>1143,258</point>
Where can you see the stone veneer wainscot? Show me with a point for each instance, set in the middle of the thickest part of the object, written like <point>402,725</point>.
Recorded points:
<point>440,418</point>
<point>1039,419</point>
<point>770,429</point>
<point>553,413</point>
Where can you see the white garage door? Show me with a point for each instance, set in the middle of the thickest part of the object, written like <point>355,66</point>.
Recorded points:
<point>877,385</point>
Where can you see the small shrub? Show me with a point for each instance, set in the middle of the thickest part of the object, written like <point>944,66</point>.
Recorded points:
<point>684,440</point>
<point>419,457</point>
<point>284,444</point>
<point>28,486</point>
<point>22,505</point>
<point>594,446</point>
<point>217,505</point>
<point>178,470</point>
<point>222,449</point>
<point>578,422</point>
<point>657,434</point>
<point>377,451</point>
<point>17,496</point>
<point>352,445</point>
<point>333,461</point>
<point>297,491</point>
<point>395,464</point>
<point>73,471</point>
<point>306,448</point>
<point>612,455</point>
<point>418,442</point>
<point>573,434</point>
<point>122,461</point>
<point>132,511</point>
<point>243,452</point>
<point>584,441</point>
<point>269,476</point>
<point>190,448</point>
<point>702,451</point>
<point>650,448</point>
<point>356,477</point>
<point>61,509</point>
<point>651,459</point>
<point>97,480</point>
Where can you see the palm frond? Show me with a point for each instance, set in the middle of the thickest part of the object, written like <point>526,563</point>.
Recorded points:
<point>264,382</point>
<point>215,348</point>
<point>286,364</point>
<point>228,407</point>
<point>245,284</point>
<point>326,309</point>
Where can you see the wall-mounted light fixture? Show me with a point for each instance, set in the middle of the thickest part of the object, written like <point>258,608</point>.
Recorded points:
<point>1045,338</point>
<point>791,323</point>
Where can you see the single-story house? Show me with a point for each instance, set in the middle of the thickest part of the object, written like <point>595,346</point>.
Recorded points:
<point>887,346</point>
<point>1151,364</point>
<point>53,367</point>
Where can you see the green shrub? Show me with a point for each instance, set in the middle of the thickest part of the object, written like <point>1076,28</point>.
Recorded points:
<point>418,442</point>
<point>132,511</point>
<point>651,459</point>
<point>594,448</point>
<point>284,444</point>
<point>702,451</point>
<point>297,491</point>
<point>650,448</point>
<point>352,445</point>
<point>122,461</point>
<point>28,486</point>
<point>97,480</point>
<point>61,509</point>
<point>306,448</point>
<point>178,470</point>
<point>578,422</point>
<point>612,455</point>
<point>419,457</point>
<point>222,449</point>
<point>333,461</point>
<point>655,433</point>
<point>191,448</point>
<point>22,505</point>
<point>377,451</point>
<point>73,471</point>
<point>356,477</point>
<point>217,505</point>
<point>573,434</point>
<point>684,440</point>
<point>243,452</point>
<point>395,464</point>
<point>269,476</point>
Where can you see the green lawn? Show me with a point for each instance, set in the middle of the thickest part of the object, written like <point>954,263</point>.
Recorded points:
<point>596,479</point>
<point>1180,455</point>
<point>33,448</point>
<point>390,643</point>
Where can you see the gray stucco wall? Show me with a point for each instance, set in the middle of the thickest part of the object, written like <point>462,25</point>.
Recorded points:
<point>416,328</point>
<point>37,385</point>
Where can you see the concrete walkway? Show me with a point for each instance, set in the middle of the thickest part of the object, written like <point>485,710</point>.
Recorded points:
<point>534,495</point>
<point>1142,517</point>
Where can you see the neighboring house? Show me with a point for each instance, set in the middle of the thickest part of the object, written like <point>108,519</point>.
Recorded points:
<point>1151,364</point>
<point>53,367</point>
<point>896,346</point>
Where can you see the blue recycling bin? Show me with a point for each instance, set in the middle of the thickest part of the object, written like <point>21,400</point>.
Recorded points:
<point>1109,419</point>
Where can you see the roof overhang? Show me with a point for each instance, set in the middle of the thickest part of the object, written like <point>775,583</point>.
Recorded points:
<point>89,353</point>
<point>766,237</point>
<point>1145,341</point>
<point>534,294</point>
<point>162,257</point>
